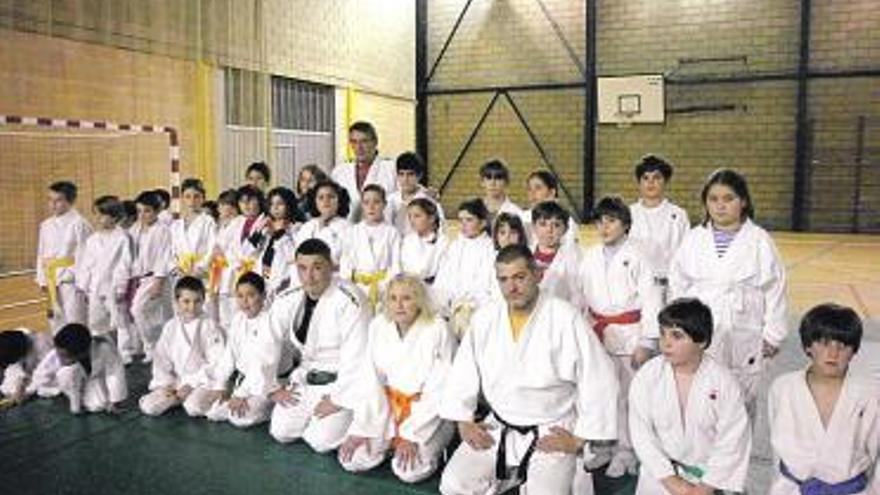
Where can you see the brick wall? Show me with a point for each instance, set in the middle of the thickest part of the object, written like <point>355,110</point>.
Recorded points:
<point>512,43</point>
<point>505,43</point>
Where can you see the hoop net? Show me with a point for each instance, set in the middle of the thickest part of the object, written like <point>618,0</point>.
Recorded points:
<point>99,162</point>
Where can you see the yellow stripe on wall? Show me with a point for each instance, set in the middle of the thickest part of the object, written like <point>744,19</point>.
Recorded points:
<point>206,152</point>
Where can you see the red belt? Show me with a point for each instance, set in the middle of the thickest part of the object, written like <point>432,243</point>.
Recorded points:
<point>602,321</point>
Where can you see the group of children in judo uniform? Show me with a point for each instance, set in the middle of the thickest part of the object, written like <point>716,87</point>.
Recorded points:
<point>360,326</point>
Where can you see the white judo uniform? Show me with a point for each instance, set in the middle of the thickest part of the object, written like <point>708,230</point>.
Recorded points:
<point>191,244</point>
<point>185,355</point>
<point>94,391</point>
<point>403,383</point>
<point>867,361</point>
<point>254,356</point>
<point>508,206</point>
<point>621,302</point>
<point>281,268</point>
<point>848,447</point>
<point>370,258</point>
<point>396,210</point>
<point>560,277</point>
<point>556,374</point>
<point>570,236</point>
<point>333,233</point>
<point>745,290</point>
<point>466,279</point>
<point>17,376</point>
<point>421,256</point>
<point>382,172</point>
<point>221,269</point>
<point>151,268</point>
<point>61,241</point>
<point>660,231</point>
<point>708,441</point>
<point>103,273</point>
<point>330,362</point>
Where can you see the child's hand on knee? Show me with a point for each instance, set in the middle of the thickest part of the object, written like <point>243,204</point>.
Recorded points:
<point>285,396</point>
<point>238,406</point>
<point>350,446</point>
<point>326,407</point>
<point>407,454</point>
<point>183,392</point>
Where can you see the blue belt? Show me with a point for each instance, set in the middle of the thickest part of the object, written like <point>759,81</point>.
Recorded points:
<point>815,486</point>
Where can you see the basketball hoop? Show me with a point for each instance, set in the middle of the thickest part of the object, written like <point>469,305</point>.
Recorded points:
<point>626,119</point>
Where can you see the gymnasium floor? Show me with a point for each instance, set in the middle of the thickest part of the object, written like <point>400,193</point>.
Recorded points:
<point>45,450</point>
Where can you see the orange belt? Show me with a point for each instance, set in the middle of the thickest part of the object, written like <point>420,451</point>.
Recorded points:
<point>601,321</point>
<point>215,273</point>
<point>401,408</point>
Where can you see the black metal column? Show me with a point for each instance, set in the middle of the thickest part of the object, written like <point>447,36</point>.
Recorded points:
<point>590,109</point>
<point>422,82</point>
<point>798,205</point>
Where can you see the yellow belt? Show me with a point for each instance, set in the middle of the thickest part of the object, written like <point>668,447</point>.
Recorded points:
<point>461,318</point>
<point>371,280</point>
<point>247,265</point>
<point>52,266</point>
<point>187,261</point>
<point>215,273</point>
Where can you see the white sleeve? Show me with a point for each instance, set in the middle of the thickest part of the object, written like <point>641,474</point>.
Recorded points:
<point>122,269</point>
<point>83,267</point>
<point>773,285</point>
<point>209,241</point>
<point>394,269</point>
<point>353,322</point>
<point>872,437</point>
<point>641,430</point>
<point>651,297</point>
<point>729,459</point>
<point>462,388</point>
<point>596,380</point>
<point>214,346</point>
<point>15,378</point>
<point>40,276</point>
<point>679,282</point>
<point>164,374</point>
<point>346,255</point>
<point>114,376</point>
<point>372,411</point>
<point>83,232</point>
<point>162,263</point>
<point>772,409</point>
<point>425,416</point>
<point>44,373</point>
<point>226,365</point>
<point>680,229</point>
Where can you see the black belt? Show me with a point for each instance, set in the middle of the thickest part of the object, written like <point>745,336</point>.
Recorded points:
<point>429,280</point>
<point>661,281</point>
<point>501,455</point>
<point>317,377</point>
